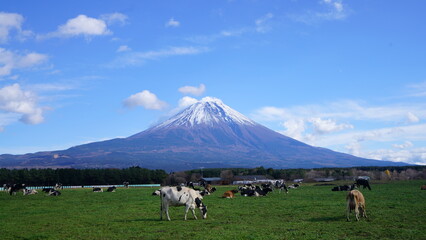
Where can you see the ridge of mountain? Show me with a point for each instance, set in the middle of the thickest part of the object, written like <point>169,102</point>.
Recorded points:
<point>206,134</point>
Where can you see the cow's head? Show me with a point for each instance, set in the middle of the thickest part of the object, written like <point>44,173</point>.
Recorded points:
<point>202,207</point>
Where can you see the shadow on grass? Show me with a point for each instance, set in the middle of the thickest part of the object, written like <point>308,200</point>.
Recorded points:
<point>329,219</point>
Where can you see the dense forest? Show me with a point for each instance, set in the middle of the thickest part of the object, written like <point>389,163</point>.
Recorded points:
<point>138,175</point>
<point>78,177</point>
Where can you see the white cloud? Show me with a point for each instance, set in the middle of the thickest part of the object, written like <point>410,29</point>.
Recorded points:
<point>412,118</point>
<point>172,23</point>
<point>123,48</point>
<point>113,18</point>
<point>137,58</point>
<point>14,100</point>
<point>196,91</point>
<point>11,60</point>
<point>145,99</point>
<point>262,25</point>
<point>81,25</point>
<point>406,144</point>
<point>294,128</point>
<point>328,10</point>
<point>186,102</point>
<point>12,22</point>
<point>327,126</point>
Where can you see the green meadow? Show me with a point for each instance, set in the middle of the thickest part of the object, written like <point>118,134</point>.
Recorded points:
<point>396,210</point>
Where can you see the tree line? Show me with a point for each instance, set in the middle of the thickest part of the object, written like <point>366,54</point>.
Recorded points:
<point>77,177</point>
<point>138,175</point>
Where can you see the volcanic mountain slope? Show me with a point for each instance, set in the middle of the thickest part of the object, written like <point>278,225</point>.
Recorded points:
<point>206,134</point>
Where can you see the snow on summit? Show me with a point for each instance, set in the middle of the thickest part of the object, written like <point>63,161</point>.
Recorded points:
<point>207,111</point>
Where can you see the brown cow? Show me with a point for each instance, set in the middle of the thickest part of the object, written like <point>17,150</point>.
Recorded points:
<point>423,187</point>
<point>229,194</point>
<point>356,202</point>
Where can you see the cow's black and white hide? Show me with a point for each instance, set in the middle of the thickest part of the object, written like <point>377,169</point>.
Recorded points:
<point>343,188</point>
<point>363,182</point>
<point>96,189</point>
<point>111,189</point>
<point>54,193</point>
<point>30,192</point>
<point>293,186</point>
<point>281,186</point>
<point>181,196</point>
<point>126,184</point>
<point>47,190</point>
<point>156,193</point>
<point>58,186</point>
<point>263,191</point>
<point>16,188</point>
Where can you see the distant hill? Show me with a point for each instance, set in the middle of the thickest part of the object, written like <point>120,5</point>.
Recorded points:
<point>207,134</point>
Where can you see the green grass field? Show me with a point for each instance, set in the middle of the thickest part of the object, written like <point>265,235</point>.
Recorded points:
<point>396,210</point>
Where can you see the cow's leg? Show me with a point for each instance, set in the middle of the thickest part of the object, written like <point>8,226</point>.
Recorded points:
<point>193,213</point>
<point>161,210</point>
<point>357,212</point>
<point>348,211</point>
<point>364,214</point>
<point>166,209</point>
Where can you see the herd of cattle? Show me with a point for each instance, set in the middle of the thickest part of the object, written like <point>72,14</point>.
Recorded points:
<point>191,197</point>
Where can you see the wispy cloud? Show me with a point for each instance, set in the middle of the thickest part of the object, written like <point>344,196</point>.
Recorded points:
<point>113,18</point>
<point>261,25</point>
<point>328,10</point>
<point>10,61</point>
<point>124,48</point>
<point>342,124</point>
<point>196,91</point>
<point>12,22</point>
<point>172,23</point>
<point>137,58</point>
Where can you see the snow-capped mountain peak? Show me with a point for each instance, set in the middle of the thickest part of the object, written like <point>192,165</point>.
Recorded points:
<point>207,111</point>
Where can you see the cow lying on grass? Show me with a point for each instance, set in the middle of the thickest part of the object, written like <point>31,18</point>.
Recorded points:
<point>356,202</point>
<point>229,194</point>
<point>181,196</point>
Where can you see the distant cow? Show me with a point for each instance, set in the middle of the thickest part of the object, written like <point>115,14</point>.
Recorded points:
<point>96,189</point>
<point>423,187</point>
<point>363,182</point>
<point>47,190</point>
<point>229,194</point>
<point>126,184</point>
<point>344,188</point>
<point>356,202</point>
<point>54,193</point>
<point>281,185</point>
<point>181,196</point>
<point>16,188</point>
<point>30,191</point>
<point>111,189</point>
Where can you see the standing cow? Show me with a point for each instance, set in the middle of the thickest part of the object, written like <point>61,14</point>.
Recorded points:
<point>181,196</point>
<point>356,202</point>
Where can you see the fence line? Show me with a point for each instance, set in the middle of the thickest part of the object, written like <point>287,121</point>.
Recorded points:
<point>92,186</point>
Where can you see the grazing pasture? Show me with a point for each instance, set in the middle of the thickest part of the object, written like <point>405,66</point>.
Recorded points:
<point>396,210</point>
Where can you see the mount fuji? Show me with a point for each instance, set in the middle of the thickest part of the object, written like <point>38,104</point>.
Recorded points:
<point>207,134</point>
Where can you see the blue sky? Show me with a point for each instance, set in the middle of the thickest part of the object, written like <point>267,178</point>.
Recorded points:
<point>345,75</point>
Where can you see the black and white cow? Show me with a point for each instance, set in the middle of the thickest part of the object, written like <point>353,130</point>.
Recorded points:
<point>47,190</point>
<point>30,192</point>
<point>97,189</point>
<point>364,182</point>
<point>281,185</point>
<point>111,189</point>
<point>16,188</point>
<point>181,196</point>
<point>54,193</point>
